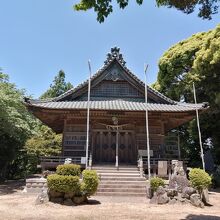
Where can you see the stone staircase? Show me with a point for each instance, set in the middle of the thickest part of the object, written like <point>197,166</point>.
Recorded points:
<point>123,182</point>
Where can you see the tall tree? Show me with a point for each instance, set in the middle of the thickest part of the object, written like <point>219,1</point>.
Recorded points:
<point>23,138</point>
<point>58,87</point>
<point>104,7</point>
<point>45,142</point>
<point>196,59</point>
<point>16,124</point>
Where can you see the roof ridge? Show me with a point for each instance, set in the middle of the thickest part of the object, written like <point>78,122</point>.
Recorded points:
<point>111,57</point>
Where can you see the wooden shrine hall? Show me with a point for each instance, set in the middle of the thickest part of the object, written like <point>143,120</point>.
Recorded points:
<point>117,118</point>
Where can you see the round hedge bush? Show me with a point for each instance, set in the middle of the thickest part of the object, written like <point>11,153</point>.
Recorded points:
<point>63,184</point>
<point>90,182</point>
<point>68,170</point>
<point>155,182</point>
<point>199,179</point>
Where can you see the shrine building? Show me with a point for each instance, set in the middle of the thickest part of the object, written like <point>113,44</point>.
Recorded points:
<point>117,118</point>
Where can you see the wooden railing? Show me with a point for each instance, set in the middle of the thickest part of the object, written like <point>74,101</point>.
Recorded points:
<point>59,159</point>
<point>53,162</point>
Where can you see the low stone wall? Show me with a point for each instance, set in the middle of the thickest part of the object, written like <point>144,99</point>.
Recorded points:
<point>36,185</point>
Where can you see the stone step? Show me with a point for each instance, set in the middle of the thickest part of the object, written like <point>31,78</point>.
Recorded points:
<point>121,194</point>
<point>117,171</point>
<point>119,175</point>
<point>120,178</point>
<point>114,168</point>
<point>123,182</point>
<point>133,190</point>
<point>127,186</point>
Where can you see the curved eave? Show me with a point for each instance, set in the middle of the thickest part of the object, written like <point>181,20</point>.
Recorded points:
<point>117,105</point>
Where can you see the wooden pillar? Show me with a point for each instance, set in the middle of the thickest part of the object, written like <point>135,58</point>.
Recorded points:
<point>63,137</point>
<point>109,146</point>
<point>127,155</point>
<point>178,145</point>
<point>101,143</point>
<point>135,140</point>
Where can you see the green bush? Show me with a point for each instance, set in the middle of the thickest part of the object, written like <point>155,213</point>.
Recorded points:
<point>68,170</point>
<point>63,184</point>
<point>90,182</point>
<point>199,179</point>
<point>155,182</point>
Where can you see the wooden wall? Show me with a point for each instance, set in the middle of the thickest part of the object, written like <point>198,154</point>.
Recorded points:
<point>131,139</point>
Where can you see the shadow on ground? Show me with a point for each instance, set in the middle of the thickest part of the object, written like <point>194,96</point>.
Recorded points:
<point>93,202</point>
<point>201,217</point>
<point>11,186</point>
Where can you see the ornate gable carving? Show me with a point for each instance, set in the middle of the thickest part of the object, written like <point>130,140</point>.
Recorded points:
<point>114,74</point>
<point>115,54</point>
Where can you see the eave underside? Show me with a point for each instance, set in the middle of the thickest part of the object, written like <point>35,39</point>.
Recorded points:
<point>56,118</point>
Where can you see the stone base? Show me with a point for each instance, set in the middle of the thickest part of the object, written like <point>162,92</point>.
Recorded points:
<point>36,185</point>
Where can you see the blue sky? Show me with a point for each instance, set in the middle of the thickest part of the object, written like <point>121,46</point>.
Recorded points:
<point>38,38</point>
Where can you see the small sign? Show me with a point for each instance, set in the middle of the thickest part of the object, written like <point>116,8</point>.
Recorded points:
<point>143,153</point>
<point>83,160</point>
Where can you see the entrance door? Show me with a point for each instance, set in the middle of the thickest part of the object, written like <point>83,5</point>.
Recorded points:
<point>104,147</point>
<point>127,149</point>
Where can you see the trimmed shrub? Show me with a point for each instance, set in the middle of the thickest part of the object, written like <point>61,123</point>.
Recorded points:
<point>199,179</point>
<point>90,182</point>
<point>68,170</point>
<point>63,184</point>
<point>155,182</point>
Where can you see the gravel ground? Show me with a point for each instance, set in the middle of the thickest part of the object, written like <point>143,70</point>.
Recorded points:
<point>16,205</point>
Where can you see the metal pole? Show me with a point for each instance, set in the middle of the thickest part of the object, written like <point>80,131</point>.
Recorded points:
<point>147,126</point>
<point>116,157</point>
<point>88,109</point>
<point>199,131</point>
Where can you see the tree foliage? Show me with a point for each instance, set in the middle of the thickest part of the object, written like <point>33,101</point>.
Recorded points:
<point>44,142</point>
<point>104,7</point>
<point>196,59</point>
<point>23,138</point>
<point>58,87</point>
<point>16,124</point>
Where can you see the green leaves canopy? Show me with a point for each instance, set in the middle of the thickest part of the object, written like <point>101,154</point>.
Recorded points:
<point>44,143</point>
<point>23,138</point>
<point>16,123</point>
<point>196,59</point>
<point>104,7</point>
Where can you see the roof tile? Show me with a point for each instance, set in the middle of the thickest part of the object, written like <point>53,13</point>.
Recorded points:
<point>117,105</point>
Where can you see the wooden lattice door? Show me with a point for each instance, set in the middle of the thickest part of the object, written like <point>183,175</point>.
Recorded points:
<point>105,147</point>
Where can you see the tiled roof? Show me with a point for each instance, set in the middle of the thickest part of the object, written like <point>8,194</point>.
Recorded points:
<point>110,58</point>
<point>118,105</point>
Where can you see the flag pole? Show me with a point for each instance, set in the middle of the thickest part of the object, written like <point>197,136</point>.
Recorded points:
<point>147,126</point>
<point>199,131</point>
<point>88,110</point>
